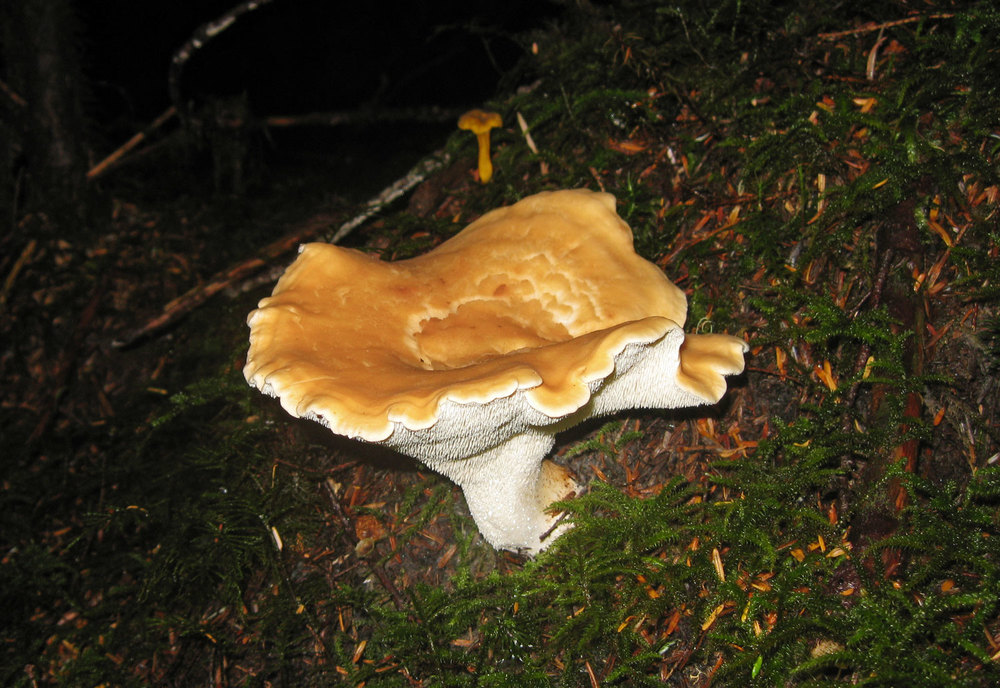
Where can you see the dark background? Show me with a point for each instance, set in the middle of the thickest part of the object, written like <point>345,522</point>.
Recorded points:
<point>297,56</point>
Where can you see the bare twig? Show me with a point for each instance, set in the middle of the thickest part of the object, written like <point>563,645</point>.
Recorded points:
<point>198,295</point>
<point>104,165</point>
<point>872,26</point>
<point>248,269</point>
<point>201,36</point>
<point>12,95</point>
<point>873,56</point>
<point>531,142</point>
<point>418,173</point>
<point>333,119</point>
<point>19,264</point>
<point>330,119</point>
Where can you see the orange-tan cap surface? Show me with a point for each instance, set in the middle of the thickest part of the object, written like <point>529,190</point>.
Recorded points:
<point>538,296</point>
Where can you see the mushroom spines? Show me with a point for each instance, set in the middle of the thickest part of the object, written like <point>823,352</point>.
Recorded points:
<point>471,356</point>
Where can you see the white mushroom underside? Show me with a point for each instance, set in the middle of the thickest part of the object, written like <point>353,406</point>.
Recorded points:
<point>473,356</point>
<point>497,464</point>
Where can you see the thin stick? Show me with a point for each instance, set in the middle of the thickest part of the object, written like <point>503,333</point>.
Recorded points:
<point>868,28</point>
<point>333,119</point>
<point>531,142</point>
<point>103,166</point>
<point>196,296</point>
<point>423,169</point>
<point>12,94</point>
<point>201,36</point>
<point>22,260</point>
<point>873,56</point>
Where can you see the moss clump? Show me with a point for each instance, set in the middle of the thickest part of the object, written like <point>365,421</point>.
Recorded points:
<point>824,182</point>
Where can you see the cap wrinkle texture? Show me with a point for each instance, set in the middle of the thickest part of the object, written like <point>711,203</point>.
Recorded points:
<point>471,356</point>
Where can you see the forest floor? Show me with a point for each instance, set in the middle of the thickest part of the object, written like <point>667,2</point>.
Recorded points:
<point>825,187</point>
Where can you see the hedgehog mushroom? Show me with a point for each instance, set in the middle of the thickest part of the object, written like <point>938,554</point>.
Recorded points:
<point>480,122</point>
<point>474,355</point>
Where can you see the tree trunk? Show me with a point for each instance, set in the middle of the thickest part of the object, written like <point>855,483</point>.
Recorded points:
<point>41,52</point>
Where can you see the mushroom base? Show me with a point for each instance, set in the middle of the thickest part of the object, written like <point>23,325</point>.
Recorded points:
<point>495,451</point>
<point>509,490</point>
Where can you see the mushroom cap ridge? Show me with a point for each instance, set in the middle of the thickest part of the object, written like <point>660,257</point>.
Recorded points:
<point>538,297</point>
<point>478,121</point>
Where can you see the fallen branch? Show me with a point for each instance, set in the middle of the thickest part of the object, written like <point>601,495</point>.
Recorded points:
<point>872,26</point>
<point>531,142</point>
<point>363,116</point>
<point>196,296</point>
<point>201,36</point>
<point>19,264</point>
<point>418,173</point>
<point>325,119</point>
<point>12,95</point>
<point>104,165</point>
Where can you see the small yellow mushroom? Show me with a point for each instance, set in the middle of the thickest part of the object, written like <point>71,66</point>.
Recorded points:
<point>479,122</point>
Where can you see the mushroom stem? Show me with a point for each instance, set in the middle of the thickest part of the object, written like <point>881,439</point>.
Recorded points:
<point>485,164</point>
<point>479,122</point>
<point>509,488</point>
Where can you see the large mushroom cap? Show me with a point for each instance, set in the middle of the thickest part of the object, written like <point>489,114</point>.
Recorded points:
<point>472,356</point>
<point>536,297</point>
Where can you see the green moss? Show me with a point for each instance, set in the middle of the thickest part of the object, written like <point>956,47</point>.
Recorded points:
<point>763,568</point>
